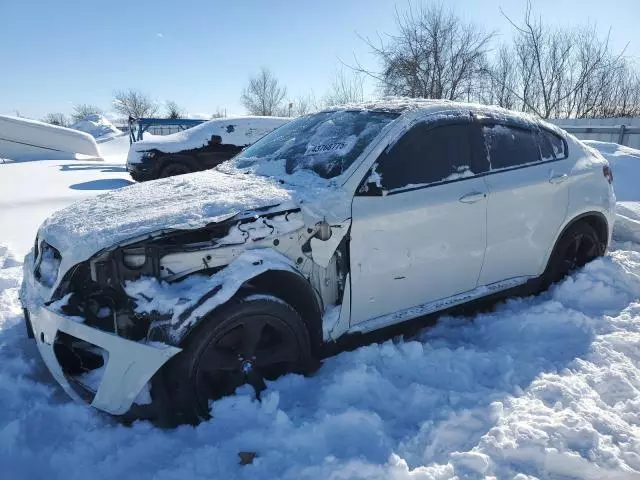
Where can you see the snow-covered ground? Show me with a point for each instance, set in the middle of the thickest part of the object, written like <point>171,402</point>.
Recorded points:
<point>98,126</point>
<point>543,387</point>
<point>31,191</point>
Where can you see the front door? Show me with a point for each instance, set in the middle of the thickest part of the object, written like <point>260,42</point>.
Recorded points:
<point>418,230</point>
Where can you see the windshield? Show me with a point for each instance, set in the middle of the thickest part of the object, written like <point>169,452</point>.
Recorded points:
<point>326,143</point>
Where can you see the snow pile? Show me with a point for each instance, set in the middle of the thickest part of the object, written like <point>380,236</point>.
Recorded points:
<point>546,386</point>
<point>625,163</point>
<point>24,139</point>
<point>97,126</point>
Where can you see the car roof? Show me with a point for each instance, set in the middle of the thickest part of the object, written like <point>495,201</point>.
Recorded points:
<point>446,108</point>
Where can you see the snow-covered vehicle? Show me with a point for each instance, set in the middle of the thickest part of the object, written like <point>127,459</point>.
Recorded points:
<point>199,148</point>
<point>25,139</point>
<point>172,293</point>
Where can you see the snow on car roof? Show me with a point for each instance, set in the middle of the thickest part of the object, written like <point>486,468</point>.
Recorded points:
<point>402,105</point>
<point>238,131</point>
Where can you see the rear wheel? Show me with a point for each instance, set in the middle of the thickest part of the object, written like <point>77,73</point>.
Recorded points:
<point>247,342</point>
<point>578,246</point>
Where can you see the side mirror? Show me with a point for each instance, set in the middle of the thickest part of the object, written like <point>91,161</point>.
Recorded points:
<point>371,186</point>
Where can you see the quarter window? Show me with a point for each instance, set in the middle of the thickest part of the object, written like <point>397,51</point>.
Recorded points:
<point>509,146</point>
<point>426,155</point>
<point>552,147</point>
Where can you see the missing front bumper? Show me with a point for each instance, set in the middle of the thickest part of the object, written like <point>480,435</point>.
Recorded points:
<point>127,368</point>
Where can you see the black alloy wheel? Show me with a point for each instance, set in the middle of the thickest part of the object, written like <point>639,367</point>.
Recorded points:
<point>249,341</point>
<point>578,246</point>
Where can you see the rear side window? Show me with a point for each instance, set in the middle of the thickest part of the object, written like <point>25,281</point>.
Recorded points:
<point>509,146</point>
<point>552,147</point>
<point>426,155</point>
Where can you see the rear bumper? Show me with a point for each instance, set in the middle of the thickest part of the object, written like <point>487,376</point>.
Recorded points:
<point>128,365</point>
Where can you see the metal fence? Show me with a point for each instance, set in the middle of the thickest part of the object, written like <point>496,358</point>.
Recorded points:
<point>625,131</point>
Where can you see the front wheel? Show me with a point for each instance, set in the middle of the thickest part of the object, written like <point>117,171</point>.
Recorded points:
<point>257,338</point>
<point>175,168</point>
<point>578,246</point>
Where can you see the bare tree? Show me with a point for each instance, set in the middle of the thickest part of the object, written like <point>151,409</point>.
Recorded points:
<point>173,110</point>
<point>347,87</point>
<point>435,54</point>
<point>304,104</point>
<point>500,82</point>
<point>264,95</point>
<point>559,72</point>
<point>134,103</point>
<point>57,118</point>
<point>81,110</point>
<point>219,113</point>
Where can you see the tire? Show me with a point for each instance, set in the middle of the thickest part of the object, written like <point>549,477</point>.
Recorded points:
<point>173,168</point>
<point>214,360</point>
<point>578,246</point>
<point>137,178</point>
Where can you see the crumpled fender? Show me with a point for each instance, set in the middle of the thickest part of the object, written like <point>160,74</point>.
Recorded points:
<point>189,301</point>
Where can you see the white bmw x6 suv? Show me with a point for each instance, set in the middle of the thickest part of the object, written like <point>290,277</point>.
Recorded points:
<point>162,296</point>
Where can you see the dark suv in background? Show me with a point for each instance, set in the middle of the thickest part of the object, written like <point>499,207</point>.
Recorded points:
<point>197,148</point>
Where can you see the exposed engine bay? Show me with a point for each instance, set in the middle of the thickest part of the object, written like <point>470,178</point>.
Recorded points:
<point>100,289</point>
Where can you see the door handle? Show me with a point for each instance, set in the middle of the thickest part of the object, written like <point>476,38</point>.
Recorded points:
<point>472,197</point>
<point>558,178</point>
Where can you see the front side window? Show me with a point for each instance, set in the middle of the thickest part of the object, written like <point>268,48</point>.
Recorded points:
<point>325,143</point>
<point>426,155</point>
<point>508,147</point>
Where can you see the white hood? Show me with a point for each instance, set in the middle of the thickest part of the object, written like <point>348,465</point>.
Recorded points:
<point>183,202</point>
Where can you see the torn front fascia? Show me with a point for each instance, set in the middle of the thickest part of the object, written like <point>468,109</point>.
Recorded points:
<point>158,256</point>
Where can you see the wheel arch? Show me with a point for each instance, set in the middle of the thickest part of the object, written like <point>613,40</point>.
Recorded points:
<point>597,220</point>
<point>281,282</point>
<point>296,290</point>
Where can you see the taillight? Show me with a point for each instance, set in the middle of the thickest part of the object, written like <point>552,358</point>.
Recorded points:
<point>608,173</point>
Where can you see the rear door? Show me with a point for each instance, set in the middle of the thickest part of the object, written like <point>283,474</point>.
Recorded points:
<point>528,198</point>
<point>418,228</point>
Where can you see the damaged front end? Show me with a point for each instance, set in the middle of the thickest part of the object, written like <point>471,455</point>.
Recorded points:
<point>115,319</point>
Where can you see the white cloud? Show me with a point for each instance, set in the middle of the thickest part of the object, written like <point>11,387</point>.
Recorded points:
<point>159,35</point>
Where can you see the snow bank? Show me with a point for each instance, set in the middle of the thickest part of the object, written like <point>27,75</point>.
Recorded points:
<point>547,386</point>
<point>98,127</point>
<point>24,139</point>
<point>625,163</point>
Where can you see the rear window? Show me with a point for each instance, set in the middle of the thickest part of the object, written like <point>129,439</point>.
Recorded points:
<point>508,146</point>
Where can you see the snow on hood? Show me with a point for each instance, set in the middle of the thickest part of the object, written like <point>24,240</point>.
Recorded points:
<point>183,202</point>
<point>97,126</point>
<point>187,201</point>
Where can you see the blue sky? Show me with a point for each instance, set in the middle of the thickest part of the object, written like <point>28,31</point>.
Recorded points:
<point>200,53</point>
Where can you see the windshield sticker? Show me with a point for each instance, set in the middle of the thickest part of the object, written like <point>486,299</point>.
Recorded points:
<point>337,148</point>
